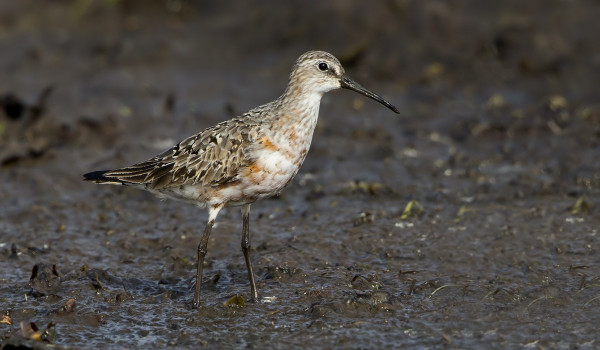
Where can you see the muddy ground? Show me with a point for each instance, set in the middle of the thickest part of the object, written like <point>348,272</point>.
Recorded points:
<point>471,220</point>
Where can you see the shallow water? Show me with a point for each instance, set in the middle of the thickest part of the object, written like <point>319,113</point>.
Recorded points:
<point>497,145</point>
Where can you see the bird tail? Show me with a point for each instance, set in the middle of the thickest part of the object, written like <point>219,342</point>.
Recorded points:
<point>100,178</point>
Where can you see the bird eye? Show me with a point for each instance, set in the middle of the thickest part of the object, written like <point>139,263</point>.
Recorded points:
<point>323,66</point>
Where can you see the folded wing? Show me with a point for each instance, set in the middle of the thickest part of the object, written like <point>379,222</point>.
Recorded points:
<point>211,157</point>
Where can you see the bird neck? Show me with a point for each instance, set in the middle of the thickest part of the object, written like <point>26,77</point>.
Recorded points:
<point>300,102</point>
<point>296,117</point>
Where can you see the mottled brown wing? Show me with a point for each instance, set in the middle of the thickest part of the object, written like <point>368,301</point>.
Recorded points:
<point>211,157</point>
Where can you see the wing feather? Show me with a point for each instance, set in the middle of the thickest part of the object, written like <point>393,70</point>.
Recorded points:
<point>212,157</point>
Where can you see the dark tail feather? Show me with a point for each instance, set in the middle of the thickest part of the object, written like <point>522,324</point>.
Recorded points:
<point>98,177</point>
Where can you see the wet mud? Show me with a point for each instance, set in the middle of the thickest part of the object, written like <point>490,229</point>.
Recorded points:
<point>471,220</point>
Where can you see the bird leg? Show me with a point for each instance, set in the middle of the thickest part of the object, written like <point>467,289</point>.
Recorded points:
<point>246,249</point>
<point>202,249</point>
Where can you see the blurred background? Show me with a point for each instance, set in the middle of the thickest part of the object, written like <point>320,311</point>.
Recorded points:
<point>470,219</point>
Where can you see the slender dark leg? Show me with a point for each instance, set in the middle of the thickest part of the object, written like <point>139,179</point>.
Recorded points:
<point>246,249</point>
<point>202,249</point>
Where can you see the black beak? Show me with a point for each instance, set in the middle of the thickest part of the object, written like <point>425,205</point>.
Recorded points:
<point>350,84</point>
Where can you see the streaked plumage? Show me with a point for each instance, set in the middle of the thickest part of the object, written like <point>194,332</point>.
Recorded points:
<point>246,158</point>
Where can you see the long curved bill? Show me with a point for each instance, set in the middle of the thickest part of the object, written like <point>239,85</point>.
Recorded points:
<point>350,84</point>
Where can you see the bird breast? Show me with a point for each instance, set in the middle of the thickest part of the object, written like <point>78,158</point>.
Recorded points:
<point>278,155</point>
